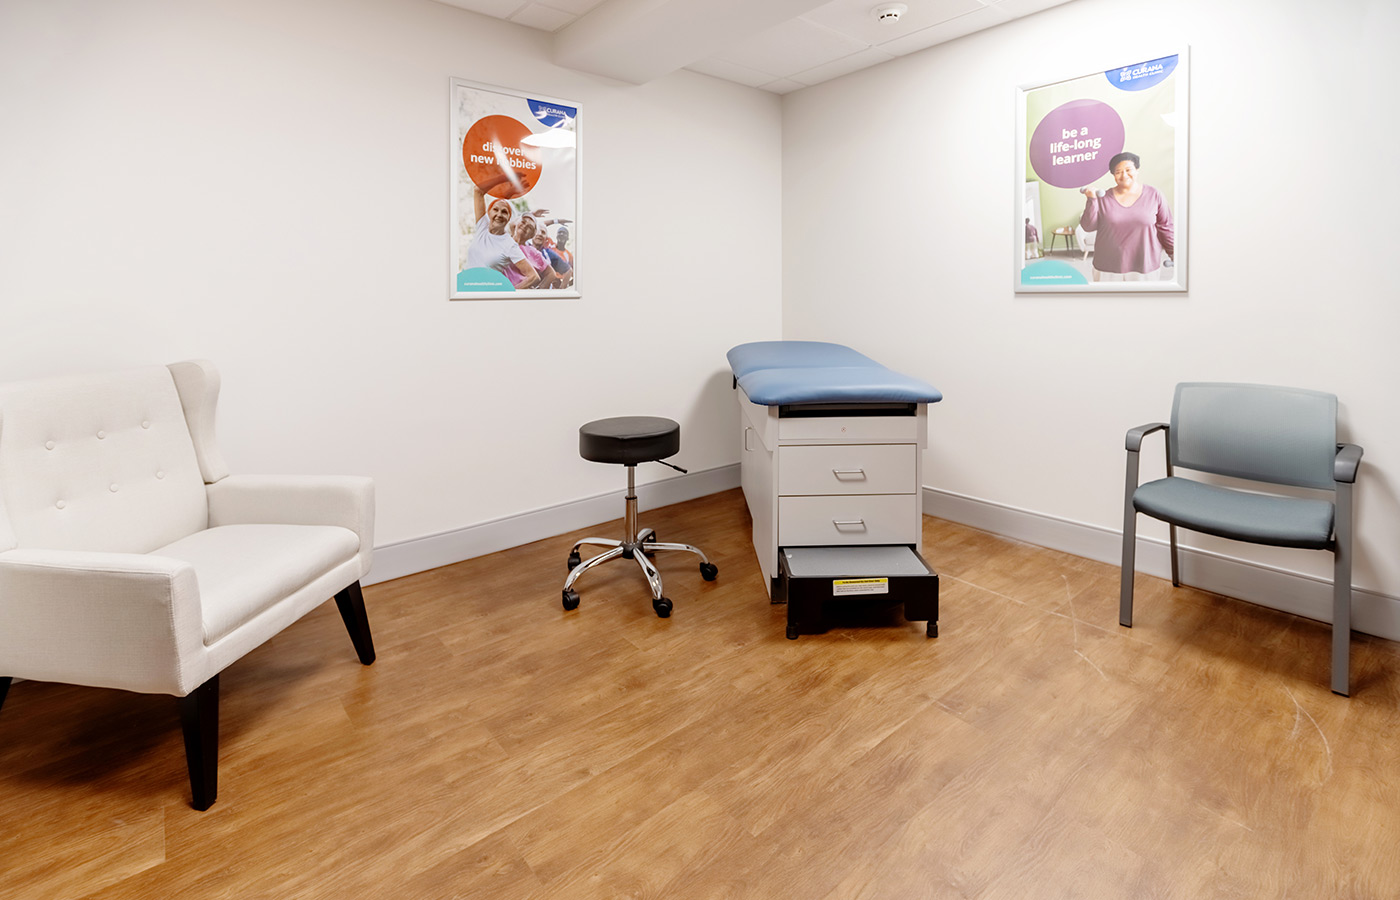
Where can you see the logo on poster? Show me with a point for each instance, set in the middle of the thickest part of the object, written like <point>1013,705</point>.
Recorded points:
<point>1143,75</point>
<point>1142,71</point>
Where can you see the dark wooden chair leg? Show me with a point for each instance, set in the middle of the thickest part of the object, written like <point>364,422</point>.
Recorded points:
<point>199,717</point>
<point>4,688</point>
<point>351,602</point>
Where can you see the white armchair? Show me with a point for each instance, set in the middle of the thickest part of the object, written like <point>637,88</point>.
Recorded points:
<point>1085,239</point>
<point>130,558</point>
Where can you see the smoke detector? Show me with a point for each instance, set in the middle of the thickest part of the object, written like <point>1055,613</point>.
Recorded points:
<point>889,12</point>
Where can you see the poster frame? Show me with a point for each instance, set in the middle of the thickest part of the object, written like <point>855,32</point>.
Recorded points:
<point>1170,278</point>
<point>457,129</point>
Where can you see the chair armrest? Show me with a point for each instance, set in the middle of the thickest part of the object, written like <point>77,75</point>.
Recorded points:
<point>121,620</point>
<point>343,500</point>
<point>1133,443</point>
<point>1345,464</point>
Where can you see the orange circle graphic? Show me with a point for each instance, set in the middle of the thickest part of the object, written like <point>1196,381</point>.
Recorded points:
<point>495,160</point>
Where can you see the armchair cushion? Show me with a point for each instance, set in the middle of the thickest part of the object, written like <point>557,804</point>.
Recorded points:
<point>1239,515</point>
<point>345,501</point>
<point>246,569</point>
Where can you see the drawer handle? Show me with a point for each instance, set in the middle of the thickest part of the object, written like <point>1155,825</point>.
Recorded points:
<point>852,473</point>
<point>848,523</point>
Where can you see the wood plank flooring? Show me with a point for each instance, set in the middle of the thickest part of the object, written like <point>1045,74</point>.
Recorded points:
<point>502,748</point>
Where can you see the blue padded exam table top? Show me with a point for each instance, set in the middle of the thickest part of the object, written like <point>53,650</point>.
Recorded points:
<point>780,373</point>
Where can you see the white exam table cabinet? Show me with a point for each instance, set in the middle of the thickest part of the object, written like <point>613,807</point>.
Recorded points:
<point>830,454</point>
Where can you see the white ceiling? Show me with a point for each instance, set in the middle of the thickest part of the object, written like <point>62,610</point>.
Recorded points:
<point>776,45</point>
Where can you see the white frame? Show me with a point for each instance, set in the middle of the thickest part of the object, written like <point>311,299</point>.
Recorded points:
<point>1178,202</point>
<point>456,171</point>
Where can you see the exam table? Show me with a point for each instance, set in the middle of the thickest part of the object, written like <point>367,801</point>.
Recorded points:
<point>832,473</point>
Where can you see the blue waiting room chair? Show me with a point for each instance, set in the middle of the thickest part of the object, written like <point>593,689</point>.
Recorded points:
<point>1268,435</point>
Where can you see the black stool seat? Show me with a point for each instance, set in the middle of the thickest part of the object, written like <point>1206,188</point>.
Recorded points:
<point>628,440</point>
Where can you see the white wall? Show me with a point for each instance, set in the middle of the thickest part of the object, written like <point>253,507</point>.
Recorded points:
<point>264,184</point>
<point>899,209</point>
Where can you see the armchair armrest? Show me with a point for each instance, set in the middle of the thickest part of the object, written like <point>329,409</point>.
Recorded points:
<point>121,620</point>
<point>1345,464</point>
<point>1133,443</point>
<point>343,500</point>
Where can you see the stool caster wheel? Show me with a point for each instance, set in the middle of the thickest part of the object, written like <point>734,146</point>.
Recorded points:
<point>571,600</point>
<point>932,629</point>
<point>662,607</point>
<point>792,632</point>
<point>574,560</point>
<point>709,571</point>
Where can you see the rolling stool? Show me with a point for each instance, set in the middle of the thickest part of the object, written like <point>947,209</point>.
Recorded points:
<point>628,440</point>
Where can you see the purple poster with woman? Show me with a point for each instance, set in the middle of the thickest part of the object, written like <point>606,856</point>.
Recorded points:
<point>1101,180</point>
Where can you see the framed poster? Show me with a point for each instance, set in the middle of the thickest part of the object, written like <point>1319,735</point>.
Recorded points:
<point>1101,180</point>
<point>514,188</point>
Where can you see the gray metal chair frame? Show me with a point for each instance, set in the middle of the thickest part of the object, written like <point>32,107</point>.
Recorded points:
<point>1275,435</point>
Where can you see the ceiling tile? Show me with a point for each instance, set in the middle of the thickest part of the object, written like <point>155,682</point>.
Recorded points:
<point>545,18</point>
<point>782,86</point>
<point>501,9</point>
<point>577,7</point>
<point>827,38</point>
<point>976,20</point>
<point>794,46</point>
<point>856,19</point>
<point>720,68</point>
<point>861,59</point>
<point>1017,8</point>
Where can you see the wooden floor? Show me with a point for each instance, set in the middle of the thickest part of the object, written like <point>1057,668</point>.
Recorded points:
<point>502,748</point>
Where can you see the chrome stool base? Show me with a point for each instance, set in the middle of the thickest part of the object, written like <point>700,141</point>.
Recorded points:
<point>635,547</point>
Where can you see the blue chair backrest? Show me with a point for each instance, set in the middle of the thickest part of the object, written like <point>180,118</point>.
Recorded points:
<point>1276,434</point>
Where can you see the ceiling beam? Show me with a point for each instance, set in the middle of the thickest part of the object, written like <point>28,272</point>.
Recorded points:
<point>639,40</point>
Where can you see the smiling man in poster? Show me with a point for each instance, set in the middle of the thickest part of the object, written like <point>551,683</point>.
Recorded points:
<point>1085,143</point>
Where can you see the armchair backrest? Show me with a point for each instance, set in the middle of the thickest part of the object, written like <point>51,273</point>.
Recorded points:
<point>1279,435</point>
<point>98,462</point>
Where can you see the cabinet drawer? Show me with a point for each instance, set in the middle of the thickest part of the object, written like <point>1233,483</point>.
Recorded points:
<point>856,519</point>
<point>847,469</point>
<point>851,428</point>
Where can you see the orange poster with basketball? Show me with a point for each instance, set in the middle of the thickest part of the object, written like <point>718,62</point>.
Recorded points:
<point>515,188</point>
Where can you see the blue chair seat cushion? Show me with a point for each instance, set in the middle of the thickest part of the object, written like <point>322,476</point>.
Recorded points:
<point>1238,515</point>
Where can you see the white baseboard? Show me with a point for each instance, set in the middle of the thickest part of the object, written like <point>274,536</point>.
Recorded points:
<point>420,554</point>
<point>1294,592</point>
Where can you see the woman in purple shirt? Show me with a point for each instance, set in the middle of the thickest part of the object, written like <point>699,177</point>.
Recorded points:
<point>1132,224</point>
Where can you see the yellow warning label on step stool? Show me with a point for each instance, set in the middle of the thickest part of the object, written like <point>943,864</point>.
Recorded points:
<point>847,586</point>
